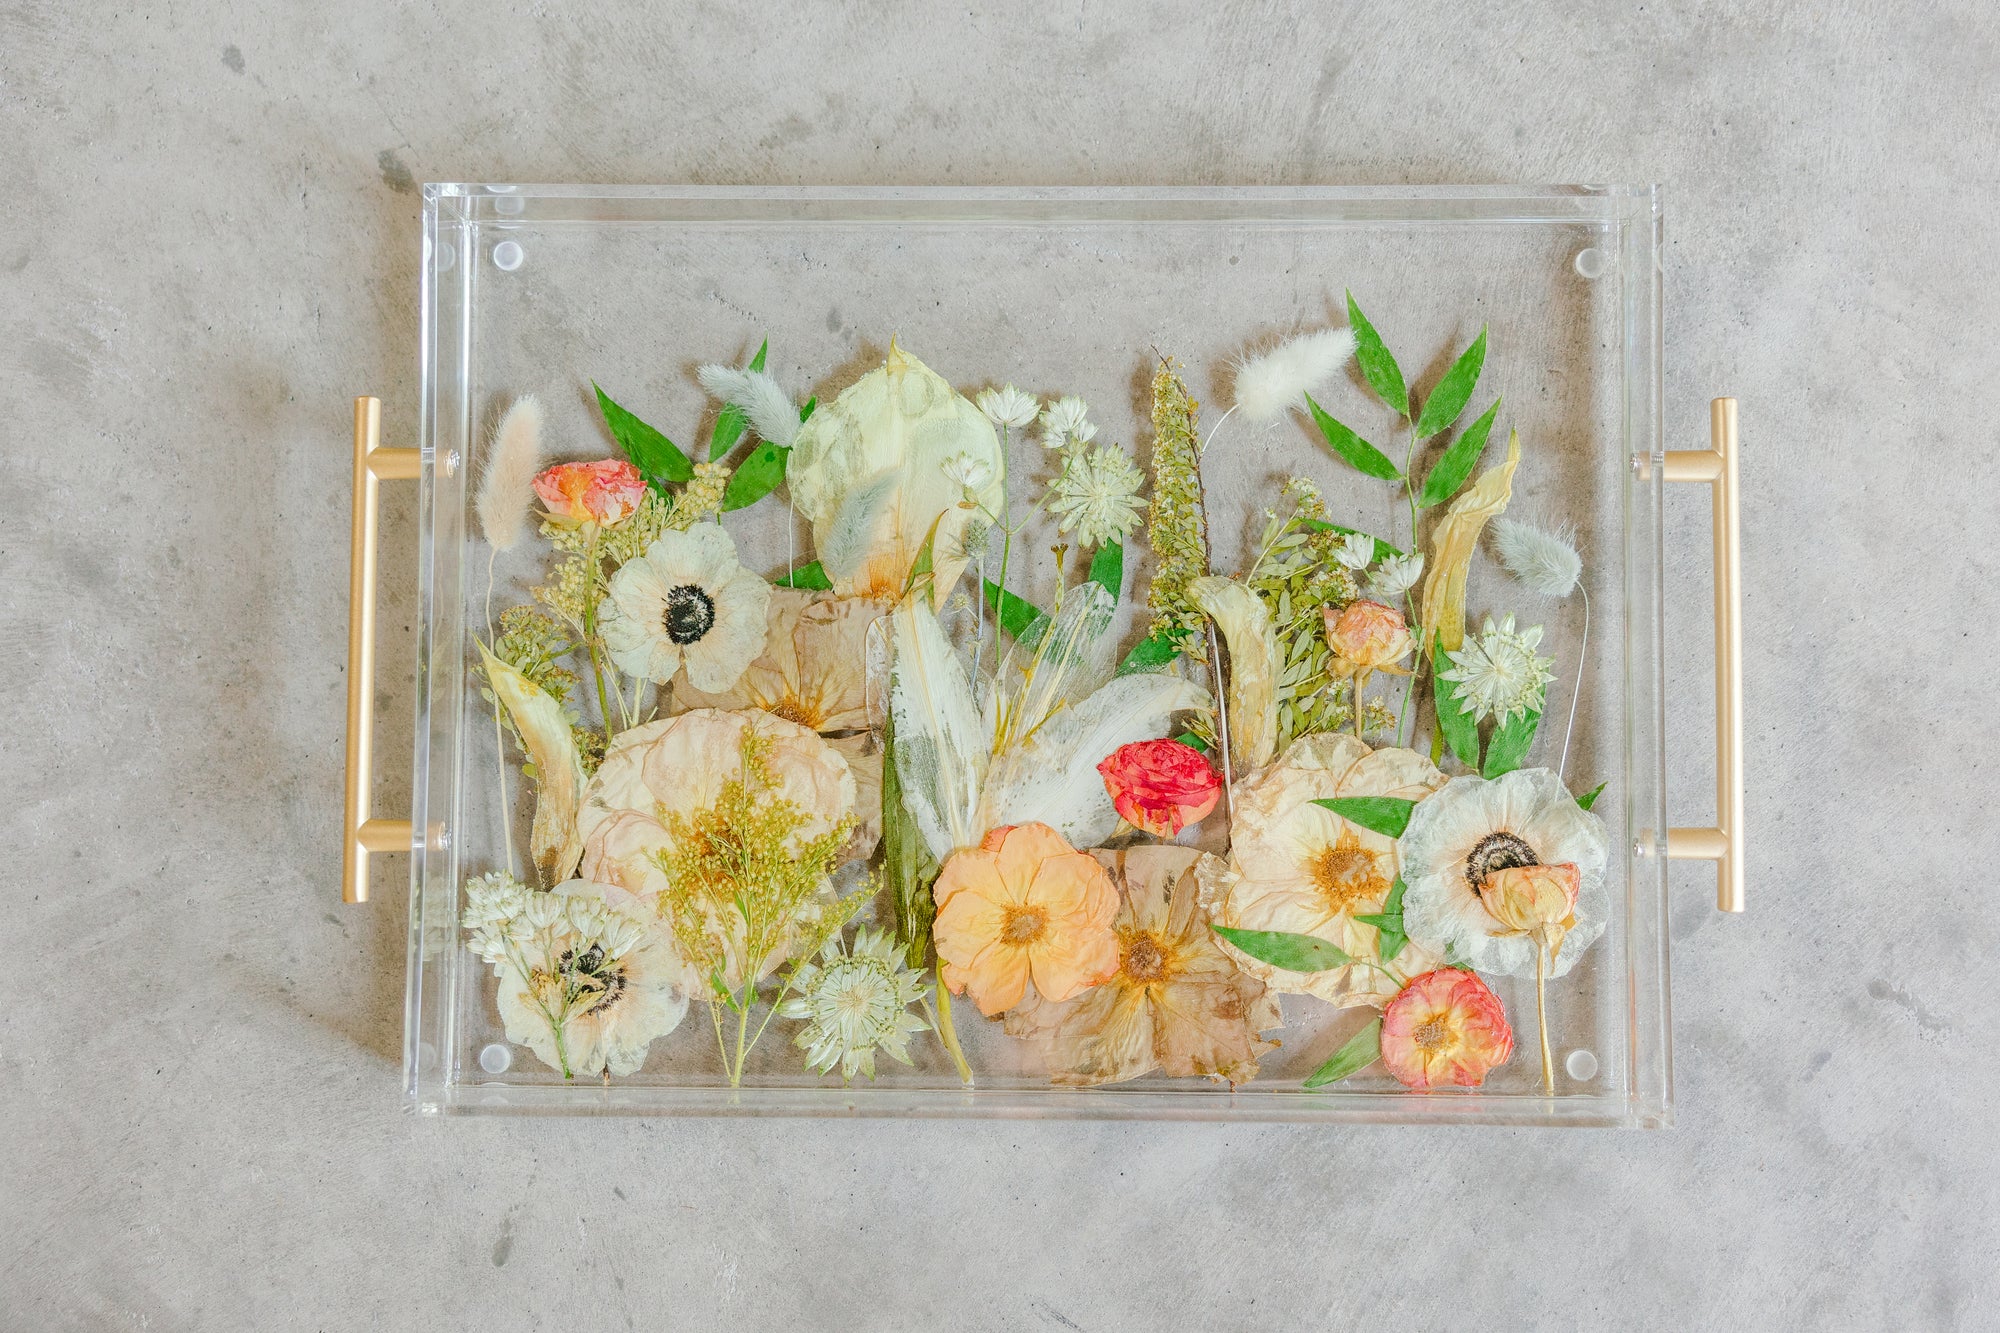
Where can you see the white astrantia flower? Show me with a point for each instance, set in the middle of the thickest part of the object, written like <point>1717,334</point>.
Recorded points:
<point>1498,673</point>
<point>1008,407</point>
<point>968,472</point>
<point>1066,421</point>
<point>1471,828</point>
<point>1097,495</point>
<point>1396,576</point>
<point>1356,551</point>
<point>1544,560</point>
<point>854,1003</point>
<point>588,976</point>
<point>685,602</point>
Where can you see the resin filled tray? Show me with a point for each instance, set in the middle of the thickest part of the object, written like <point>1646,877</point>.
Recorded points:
<point>1524,328</point>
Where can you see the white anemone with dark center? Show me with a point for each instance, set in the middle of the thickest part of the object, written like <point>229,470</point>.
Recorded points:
<point>1462,834</point>
<point>686,604</point>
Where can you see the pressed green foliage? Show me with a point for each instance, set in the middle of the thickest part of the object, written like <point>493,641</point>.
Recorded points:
<point>729,422</point>
<point>1151,653</point>
<point>921,568</point>
<point>1388,924</point>
<point>1460,728</point>
<point>1454,391</point>
<point>659,460</point>
<point>756,476</point>
<point>1282,948</point>
<point>1192,741</point>
<point>1589,798</point>
<point>1456,463</point>
<point>1509,744</point>
<point>1017,615</point>
<point>1107,569</point>
<point>1361,455</point>
<point>1361,1050</point>
<point>1386,815</point>
<point>806,576</point>
<point>1379,368</point>
<point>1382,549</point>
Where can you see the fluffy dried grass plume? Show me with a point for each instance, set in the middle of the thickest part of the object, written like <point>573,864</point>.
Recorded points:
<point>506,487</point>
<point>1269,385</point>
<point>770,409</point>
<point>1541,558</point>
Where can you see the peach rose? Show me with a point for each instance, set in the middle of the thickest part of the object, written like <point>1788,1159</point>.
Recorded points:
<point>1538,901</point>
<point>603,492</point>
<point>1445,1027</point>
<point>1366,636</point>
<point>1160,786</point>
<point>1024,904</point>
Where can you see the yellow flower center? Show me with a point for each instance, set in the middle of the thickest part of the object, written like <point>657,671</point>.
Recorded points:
<point>792,708</point>
<point>1143,961</point>
<point>1432,1035</point>
<point>1346,873</point>
<point>1024,925</point>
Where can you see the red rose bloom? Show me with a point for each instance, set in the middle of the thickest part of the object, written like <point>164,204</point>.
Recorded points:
<point>1160,786</point>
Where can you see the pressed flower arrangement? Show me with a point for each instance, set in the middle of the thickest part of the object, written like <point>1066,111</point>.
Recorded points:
<point>1127,803</point>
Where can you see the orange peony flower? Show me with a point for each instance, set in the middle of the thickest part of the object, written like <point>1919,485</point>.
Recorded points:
<point>1023,904</point>
<point>1161,787</point>
<point>1177,1003</point>
<point>1366,636</point>
<point>1445,1027</point>
<point>603,492</point>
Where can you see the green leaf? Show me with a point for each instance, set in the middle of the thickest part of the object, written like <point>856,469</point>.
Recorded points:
<point>1382,549</point>
<point>1509,745</point>
<point>1150,654</point>
<point>806,412</point>
<point>1018,616</point>
<point>1363,1049</point>
<point>756,476</point>
<point>1384,376</point>
<point>1454,391</point>
<point>1388,924</point>
<point>1589,798</point>
<point>659,460</point>
<point>1386,815</point>
<point>730,421</point>
<point>806,576</point>
<point>1194,742</point>
<point>1456,463</point>
<point>1107,569</point>
<point>1282,948</point>
<point>1363,456</point>
<point>1460,728</point>
<point>921,568</point>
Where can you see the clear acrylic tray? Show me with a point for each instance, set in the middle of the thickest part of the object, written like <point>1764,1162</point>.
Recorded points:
<point>545,289</point>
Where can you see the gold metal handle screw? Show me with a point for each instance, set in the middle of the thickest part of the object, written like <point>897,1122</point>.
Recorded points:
<point>1722,844</point>
<point>362,834</point>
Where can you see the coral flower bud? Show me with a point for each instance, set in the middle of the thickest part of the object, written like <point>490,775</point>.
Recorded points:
<point>1161,787</point>
<point>1366,636</point>
<point>603,492</point>
<point>1533,900</point>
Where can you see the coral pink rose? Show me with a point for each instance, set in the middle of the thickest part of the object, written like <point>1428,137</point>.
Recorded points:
<point>602,492</point>
<point>1366,636</point>
<point>1160,786</point>
<point>1445,1027</point>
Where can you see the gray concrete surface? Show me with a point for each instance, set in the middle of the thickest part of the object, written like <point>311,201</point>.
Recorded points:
<point>208,245</point>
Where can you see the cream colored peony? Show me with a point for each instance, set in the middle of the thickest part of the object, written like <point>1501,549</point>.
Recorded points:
<point>1299,867</point>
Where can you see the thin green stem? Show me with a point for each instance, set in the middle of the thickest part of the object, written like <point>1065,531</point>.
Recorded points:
<point>947,1033</point>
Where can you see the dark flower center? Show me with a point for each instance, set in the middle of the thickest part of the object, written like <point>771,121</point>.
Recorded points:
<point>689,615</point>
<point>596,981</point>
<point>1496,851</point>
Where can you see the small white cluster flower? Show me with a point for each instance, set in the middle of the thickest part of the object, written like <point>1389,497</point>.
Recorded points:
<point>855,1003</point>
<point>1097,495</point>
<point>1008,407</point>
<point>1396,576</point>
<point>1498,673</point>
<point>1066,421</point>
<point>1356,551</point>
<point>969,474</point>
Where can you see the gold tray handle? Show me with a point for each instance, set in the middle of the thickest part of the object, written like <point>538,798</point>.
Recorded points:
<point>1722,844</point>
<point>362,834</point>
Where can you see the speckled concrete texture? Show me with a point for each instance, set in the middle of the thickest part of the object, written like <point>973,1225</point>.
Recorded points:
<point>208,245</point>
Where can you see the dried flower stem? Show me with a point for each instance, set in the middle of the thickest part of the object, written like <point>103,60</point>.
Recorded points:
<point>1542,961</point>
<point>1576,694</point>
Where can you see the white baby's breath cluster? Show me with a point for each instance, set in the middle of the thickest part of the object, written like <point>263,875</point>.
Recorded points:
<point>514,925</point>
